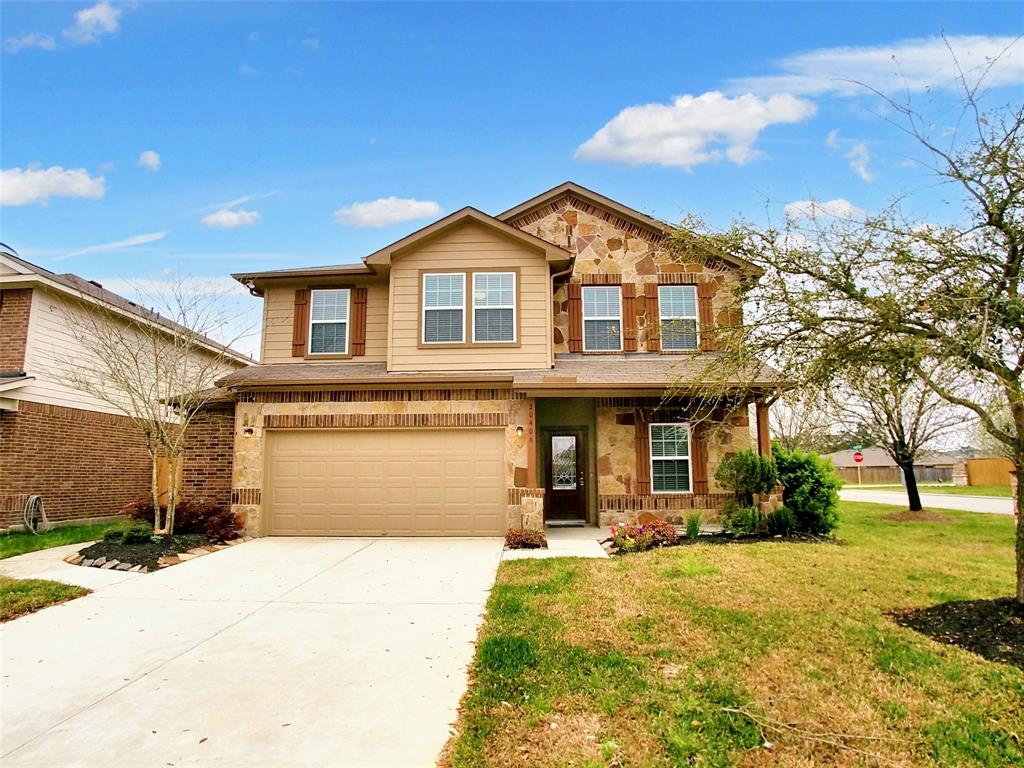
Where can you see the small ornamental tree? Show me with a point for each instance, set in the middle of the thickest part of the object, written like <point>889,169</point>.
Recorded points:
<point>810,489</point>
<point>746,473</point>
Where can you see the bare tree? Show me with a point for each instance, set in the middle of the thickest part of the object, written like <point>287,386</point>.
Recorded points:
<point>899,413</point>
<point>802,419</point>
<point>157,368</point>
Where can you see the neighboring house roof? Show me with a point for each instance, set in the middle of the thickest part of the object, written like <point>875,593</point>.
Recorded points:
<point>657,227</point>
<point>382,257</point>
<point>877,457</point>
<point>13,381</point>
<point>79,287</point>
<point>608,371</point>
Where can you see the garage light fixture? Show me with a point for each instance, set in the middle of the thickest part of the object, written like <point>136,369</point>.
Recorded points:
<point>519,431</point>
<point>248,432</point>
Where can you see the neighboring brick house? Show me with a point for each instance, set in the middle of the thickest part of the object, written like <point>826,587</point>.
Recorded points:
<point>81,455</point>
<point>489,372</point>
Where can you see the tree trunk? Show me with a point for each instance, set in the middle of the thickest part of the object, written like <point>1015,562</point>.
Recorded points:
<point>910,480</point>
<point>172,493</point>
<point>155,488</point>
<point>1018,464</point>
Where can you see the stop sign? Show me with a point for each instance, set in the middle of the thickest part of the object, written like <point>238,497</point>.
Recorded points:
<point>858,456</point>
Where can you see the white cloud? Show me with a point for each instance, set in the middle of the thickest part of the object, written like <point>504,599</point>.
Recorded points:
<point>859,158</point>
<point>228,219</point>
<point>913,65</point>
<point>150,159</point>
<point>311,43</point>
<point>692,130</point>
<point>832,209</point>
<point>22,186</point>
<point>33,40</point>
<point>245,70</point>
<point>832,140</point>
<point>386,211</point>
<point>254,37</point>
<point>94,22</point>
<point>117,245</point>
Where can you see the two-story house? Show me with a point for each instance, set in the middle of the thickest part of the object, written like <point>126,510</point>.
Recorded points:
<point>487,372</point>
<point>84,457</point>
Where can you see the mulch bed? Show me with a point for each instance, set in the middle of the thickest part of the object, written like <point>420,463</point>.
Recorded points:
<point>993,629</point>
<point>720,537</point>
<point>145,555</point>
<point>921,516</point>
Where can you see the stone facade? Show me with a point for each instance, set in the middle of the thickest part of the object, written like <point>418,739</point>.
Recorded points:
<point>378,409</point>
<point>84,464</point>
<point>610,249</point>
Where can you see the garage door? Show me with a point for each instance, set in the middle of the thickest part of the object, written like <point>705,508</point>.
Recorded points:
<point>394,482</point>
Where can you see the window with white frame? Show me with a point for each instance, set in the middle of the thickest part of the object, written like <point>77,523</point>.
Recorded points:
<point>328,321</point>
<point>602,318</point>
<point>494,306</point>
<point>444,308</point>
<point>678,307</point>
<point>670,458</point>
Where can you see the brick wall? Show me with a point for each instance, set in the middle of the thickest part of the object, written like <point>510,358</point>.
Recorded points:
<point>206,474</point>
<point>83,463</point>
<point>15,305</point>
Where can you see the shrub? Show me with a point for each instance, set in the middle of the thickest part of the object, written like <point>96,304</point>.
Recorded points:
<point>139,509</point>
<point>810,489</point>
<point>219,524</point>
<point>781,521</point>
<point>129,532</point>
<point>637,538</point>
<point>212,520</point>
<point>663,534</point>
<point>741,520</point>
<point>524,538</point>
<point>693,525</point>
<point>746,473</point>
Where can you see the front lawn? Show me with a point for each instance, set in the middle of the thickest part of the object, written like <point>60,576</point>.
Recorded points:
<point>956,490</point>
<point>20,542</point>
<point>21,596</point>
<point>758,654</point>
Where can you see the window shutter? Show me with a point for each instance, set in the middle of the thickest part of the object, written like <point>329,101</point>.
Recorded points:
<point>643,453</point>
<point>706,314</point>
<point>699,459</point>
<point>358,321</point>
<point>629,317</point>
<point>653,318</point>
<point>300,322</point>
<point>575,317</point>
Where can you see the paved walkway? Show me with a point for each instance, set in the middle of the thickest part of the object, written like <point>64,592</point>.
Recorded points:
<point>49,564</point>
<point>278,652</point>
<point>993,505</point>
<point>579,541</point>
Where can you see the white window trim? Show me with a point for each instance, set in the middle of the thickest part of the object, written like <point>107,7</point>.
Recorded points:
<point>425,309</point>
<point>583,312</point>
<point>345,322</point>
<point>695,316</point>
<point>512,306</point>
<point>688,457</point>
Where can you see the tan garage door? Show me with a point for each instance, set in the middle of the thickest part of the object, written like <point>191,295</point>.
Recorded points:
<point>424,482</point>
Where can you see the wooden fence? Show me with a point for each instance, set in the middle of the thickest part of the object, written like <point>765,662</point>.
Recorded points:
<point>989,471</point>
<point>893,476</point>
<point>161,477</point>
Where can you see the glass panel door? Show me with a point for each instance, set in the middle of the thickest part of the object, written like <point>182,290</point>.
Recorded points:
<point>563,462</point>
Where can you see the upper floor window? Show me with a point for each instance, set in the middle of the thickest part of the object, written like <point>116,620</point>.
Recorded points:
<point>328,321</point>
<point>444,308</point>
<point>670,458</point>
<point>494,306</point>
<point>602,318</point>
<point>678,307</point>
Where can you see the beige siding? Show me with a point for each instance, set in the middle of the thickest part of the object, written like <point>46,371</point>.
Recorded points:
<point>464,248</point>
<point>52,347</point>
<point>279,311</point>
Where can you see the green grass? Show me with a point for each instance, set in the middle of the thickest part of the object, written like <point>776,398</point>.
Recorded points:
<point>956,490</point>
<point>21,596</point>
<point>697,655</point>
<point>20,542</point>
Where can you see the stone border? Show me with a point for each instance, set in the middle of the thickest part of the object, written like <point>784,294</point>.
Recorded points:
<point>163,562</point>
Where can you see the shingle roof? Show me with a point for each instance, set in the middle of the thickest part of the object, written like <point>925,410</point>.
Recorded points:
<point>638,371</point>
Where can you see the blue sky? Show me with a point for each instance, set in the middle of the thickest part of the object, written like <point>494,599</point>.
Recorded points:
<point>209,138</point>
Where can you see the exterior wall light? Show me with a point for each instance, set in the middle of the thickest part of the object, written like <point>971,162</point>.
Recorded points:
<point>519,431</point>
<point>248,432</point>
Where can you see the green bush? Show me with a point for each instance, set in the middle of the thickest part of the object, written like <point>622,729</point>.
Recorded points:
<point>741,520</point>
<point>693,525</point>
<point>129,532</point>
<point>810,489</point>
<point>746,473</point>
<point>781,521</point>
<point>637,538</point>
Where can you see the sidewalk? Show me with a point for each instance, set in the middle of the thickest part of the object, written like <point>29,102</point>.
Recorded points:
<point>991,505</point>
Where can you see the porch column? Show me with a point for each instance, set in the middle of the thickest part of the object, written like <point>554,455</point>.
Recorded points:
<point>531,444</point>
<point>764,440</point>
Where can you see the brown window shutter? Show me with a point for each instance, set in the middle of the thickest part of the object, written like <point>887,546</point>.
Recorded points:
<point>699,459</point>
<point>628,317</point>
<point>575,317</point>
<point>300,322</point>
<point>653,317</point>
<point>643,453</point>
<point>706,315</point>
<point>358,321</point>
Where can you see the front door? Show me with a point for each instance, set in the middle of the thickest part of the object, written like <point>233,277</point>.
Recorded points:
<point>565,464</point>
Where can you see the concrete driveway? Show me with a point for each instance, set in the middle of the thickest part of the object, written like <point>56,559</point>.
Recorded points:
<point>278,652</point>
<point>993,505</point>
